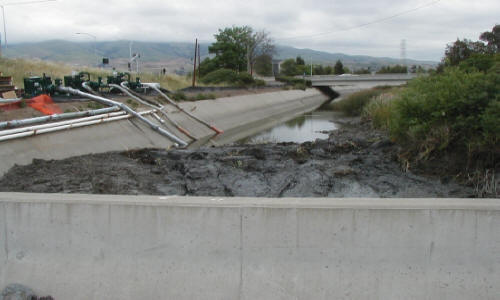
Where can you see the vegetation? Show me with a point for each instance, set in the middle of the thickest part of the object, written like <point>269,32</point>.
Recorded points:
<point>452,116</point>
<point>230,77</point>
<point>180,96</point>
<point>393,69</point>
<point>353,105</point>
<point>296,83</point>
<point>338,69</point>
<point>238,49</point>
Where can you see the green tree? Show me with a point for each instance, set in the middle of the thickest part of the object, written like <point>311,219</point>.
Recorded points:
<point>492,39</point>
<point>328,70</point>
<point>263,65</point>
<point>289,67</point>
<point>258,44</point>
<point>338,68</point>
<point>300,61</point>
<point>230,48</point>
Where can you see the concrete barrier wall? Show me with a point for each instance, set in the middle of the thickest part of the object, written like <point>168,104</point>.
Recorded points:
<point>227,114</point>
<point>126,247</point>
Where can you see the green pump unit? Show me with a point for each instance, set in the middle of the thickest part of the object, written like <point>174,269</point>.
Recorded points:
<point>75,81</point>
<point>36,86</point>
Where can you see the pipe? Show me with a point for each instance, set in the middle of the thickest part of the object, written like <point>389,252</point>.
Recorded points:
<point>123,87</point>
<point>73,121</point>
<point>54,117</point>
<point>218,131</point>
<point>66,127</point>
<point>125,108</point>
<point>10,100</point>
<point>89,89</point>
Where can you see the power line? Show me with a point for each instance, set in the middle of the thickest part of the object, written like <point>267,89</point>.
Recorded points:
<point>364,24</point>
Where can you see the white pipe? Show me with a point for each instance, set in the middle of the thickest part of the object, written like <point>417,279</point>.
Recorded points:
<point>67,126</point>
<point>125,108</point>
<point>36,127</point>
<point>218,131</point>
<point>54,117</point>
<point>10,100</point>
<point>88,88</point>
<point>123,87</point>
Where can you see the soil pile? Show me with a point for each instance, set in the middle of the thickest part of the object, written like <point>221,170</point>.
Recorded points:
<point>355,161</point>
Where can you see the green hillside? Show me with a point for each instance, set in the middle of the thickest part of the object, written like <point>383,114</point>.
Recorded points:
<point>174,55</point>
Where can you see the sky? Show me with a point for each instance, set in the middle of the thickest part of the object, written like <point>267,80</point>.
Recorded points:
<point>354,27</point>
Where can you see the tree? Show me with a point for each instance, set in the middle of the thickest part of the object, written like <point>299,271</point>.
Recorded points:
<point>300,61</point>
<point>338,68</point>
<point>258,44</point>
<point>461,50</point>
<point>492,39</point>
<point>264,65</point>
<point>230,48</point>
<point>289,67</point>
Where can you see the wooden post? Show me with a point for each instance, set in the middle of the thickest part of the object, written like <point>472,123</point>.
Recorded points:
<point>194,65</point>
<point>199,61</point>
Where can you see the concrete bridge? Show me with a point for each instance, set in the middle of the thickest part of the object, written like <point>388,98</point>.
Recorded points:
<point>347,83</point>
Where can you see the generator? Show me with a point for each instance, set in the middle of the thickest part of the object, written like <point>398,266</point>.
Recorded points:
<point>36,86</point>
<point>75,81</point>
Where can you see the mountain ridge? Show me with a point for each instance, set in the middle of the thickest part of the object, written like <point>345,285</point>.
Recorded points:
<point>175,56</point>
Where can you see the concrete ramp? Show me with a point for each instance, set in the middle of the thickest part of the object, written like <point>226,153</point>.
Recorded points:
<point>126,247</point>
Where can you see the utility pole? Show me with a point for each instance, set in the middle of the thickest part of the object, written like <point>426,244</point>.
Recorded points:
<point>194,65</point>
<point>311,66</point>
<point>199,61</point>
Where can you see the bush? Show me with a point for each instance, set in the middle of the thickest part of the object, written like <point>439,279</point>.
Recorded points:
<point>179,96</point>
<point>353,105</point>
<point>379,111</point>
<point>455,110</point>
<point>220,76</point>
<point>293,81</point>
<point>231,77</point>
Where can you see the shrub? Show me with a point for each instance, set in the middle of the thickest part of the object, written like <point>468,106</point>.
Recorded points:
<point>293,81</point>
<point>179,96</point>
<point>220,76</point>
<point>353,105</point>
<point>379,111</point>
<point>456,110</point>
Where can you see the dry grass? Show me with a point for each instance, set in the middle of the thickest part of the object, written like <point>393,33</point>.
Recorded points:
<point>21,68</point>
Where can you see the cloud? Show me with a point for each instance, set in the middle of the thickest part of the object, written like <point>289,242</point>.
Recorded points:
<point>427,30</point>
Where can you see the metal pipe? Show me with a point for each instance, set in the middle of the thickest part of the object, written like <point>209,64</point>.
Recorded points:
<point>218,131</point>
<point>67,126</point>
<point>89,89</point>
<point>125,108</point>
<point>73,121</point>
<point>10,100</point>
<point>54,117</point>
<point>123,87</point>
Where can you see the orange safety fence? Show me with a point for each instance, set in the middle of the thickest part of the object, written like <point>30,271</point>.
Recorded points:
<point>44,104</point>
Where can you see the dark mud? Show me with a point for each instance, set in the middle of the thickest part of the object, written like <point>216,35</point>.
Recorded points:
<point>354,161</point>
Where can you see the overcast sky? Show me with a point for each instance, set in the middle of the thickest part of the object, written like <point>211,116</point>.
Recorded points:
<point>316,24</point>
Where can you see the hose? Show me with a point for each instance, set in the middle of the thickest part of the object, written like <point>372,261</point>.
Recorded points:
<point>218,131</point>
<point>159,107</point>
<point>125,108</point>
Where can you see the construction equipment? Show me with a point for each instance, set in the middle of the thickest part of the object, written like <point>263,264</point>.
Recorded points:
<point>36,86</point>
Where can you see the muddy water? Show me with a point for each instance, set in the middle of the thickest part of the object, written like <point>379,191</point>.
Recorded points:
<point>305,128</point>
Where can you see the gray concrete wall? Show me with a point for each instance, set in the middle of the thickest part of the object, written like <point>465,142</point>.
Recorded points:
<point>229,114</point>
<point>126,247</point>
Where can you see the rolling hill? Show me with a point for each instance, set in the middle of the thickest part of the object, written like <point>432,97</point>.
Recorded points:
<point>174,56</point>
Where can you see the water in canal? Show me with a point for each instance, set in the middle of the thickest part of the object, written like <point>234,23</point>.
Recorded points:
<point>307,127</point>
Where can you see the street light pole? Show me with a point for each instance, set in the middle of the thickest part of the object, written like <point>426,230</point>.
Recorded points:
<point>12,4</point>
<point>95,41</point>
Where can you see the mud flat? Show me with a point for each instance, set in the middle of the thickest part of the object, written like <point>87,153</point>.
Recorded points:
<point>355,161</point>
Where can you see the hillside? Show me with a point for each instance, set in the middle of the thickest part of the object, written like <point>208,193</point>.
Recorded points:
<point>174,56</point>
